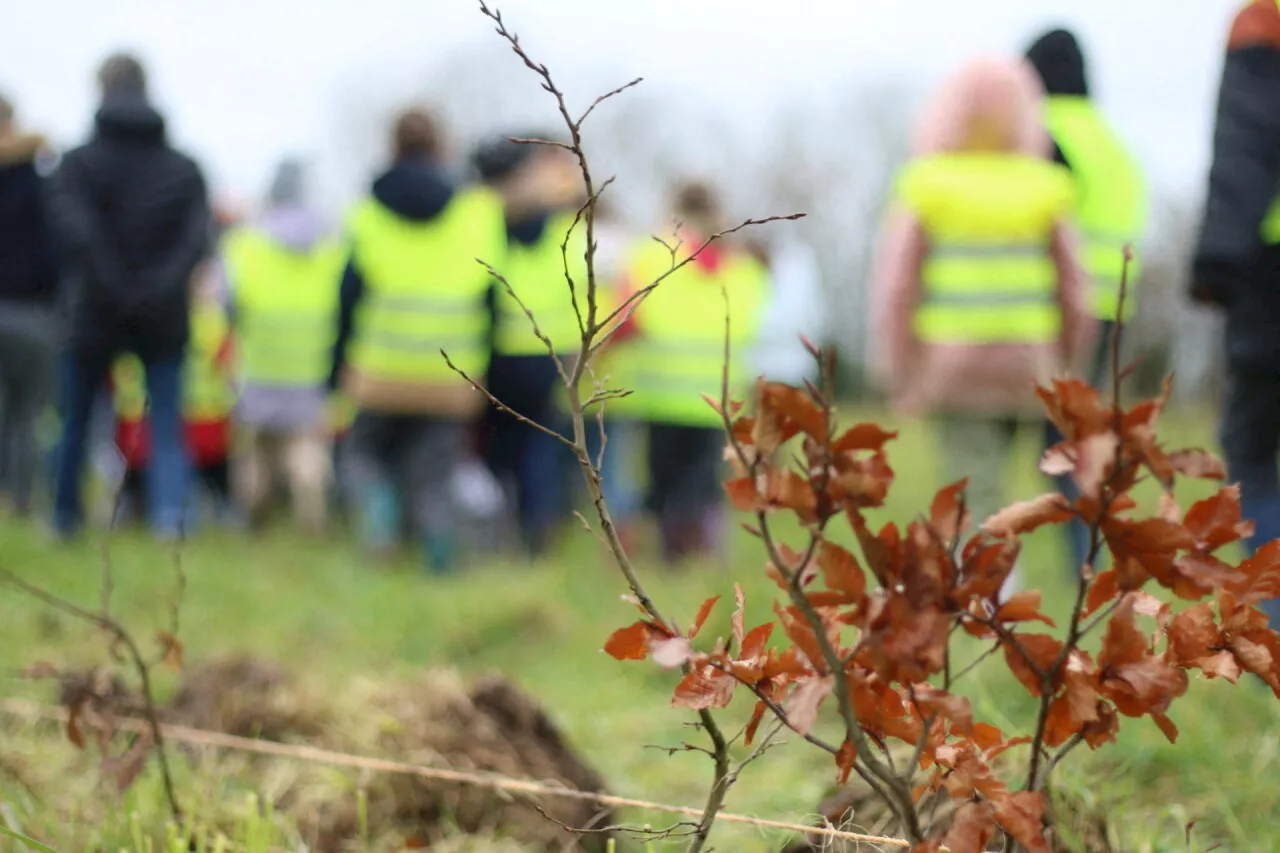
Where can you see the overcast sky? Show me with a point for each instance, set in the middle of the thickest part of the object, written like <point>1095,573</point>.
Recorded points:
<point>243,80</point>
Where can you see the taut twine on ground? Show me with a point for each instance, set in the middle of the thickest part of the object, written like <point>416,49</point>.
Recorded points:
<point>199,737</point>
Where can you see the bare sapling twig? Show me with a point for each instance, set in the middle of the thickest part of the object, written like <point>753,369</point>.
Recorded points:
<point>594,332</point>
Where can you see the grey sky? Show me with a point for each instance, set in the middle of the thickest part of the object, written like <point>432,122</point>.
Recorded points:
<point>244,79</point>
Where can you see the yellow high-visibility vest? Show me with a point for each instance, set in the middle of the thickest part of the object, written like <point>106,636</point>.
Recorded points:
<point>286,305</point>
<point>680,353</point>
<point>988,275</point>
<point>1111,199</point>
<point>537,274</point>
<point>425,290</point>
<point>207,391</point>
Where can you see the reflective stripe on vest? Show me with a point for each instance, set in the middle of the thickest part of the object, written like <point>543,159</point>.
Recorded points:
<point>679,355</point>
<point>425,290</point>
<point>988,276</point>
<point>1111,207</point>
<point>537,274</point>
<point>286,308</point>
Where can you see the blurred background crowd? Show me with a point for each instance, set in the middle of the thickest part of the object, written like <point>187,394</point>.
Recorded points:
<point>188,354</point>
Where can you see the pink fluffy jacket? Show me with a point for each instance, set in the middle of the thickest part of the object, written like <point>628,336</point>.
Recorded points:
<point>991,380</point>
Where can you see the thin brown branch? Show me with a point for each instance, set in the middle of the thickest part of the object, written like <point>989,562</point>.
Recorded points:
<point>501,405</point>
<point>606,96</point>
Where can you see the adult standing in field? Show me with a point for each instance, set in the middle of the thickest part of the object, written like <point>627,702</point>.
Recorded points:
<point>133,215</point>
<point>978,291</point>
<point>795,311</point>
<point>1111,209</point>
<point>541,190</point>
<point>282,274</point>
<point>679,338</point>
<point>411,288</point>
<point>1237,262</point>
<point>28,291</point>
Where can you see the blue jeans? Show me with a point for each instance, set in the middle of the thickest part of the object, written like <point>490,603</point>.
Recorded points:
<point>616,475</point>
<point>168,474</point>
<point>536,463</point>
<point>1250,435</point>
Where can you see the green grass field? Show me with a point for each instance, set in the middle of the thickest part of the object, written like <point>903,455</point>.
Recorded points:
<point>314,606</point>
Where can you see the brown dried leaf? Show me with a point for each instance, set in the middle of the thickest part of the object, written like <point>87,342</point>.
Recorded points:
<point>803,704</point>
<point>1075,407</point>
<point>125,769</point>
<point>1023,607</point>
<point>1022,816</point>
<point>1200,464</point>
<point>796,409</point>
<point>1041,650</point>
<point>704,688</point>
<point>1260,576</point>
<point>957,709</point>
<point>972,828</point>
<point>1167,726</point>
<point>883,551</point>
<point>1095,459</point>
<point>742,494</point>
<point>1058,460</point>
<point>1104,588</point>
<point>1216,521</point>
<point>633,641</point>
<point>703,612</point>
<point>862,437</point>
<point>1104,728</point>
<point>1025,516</point>
<point>753,644</point>
<point>840,571</point>
<point>945,511</point>
<point>845,759</point>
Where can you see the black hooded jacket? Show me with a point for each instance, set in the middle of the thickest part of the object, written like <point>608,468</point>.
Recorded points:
<point>418,192</point>
<point>1232,267</point>
<point>132,216</point>
<point>1057,58</point>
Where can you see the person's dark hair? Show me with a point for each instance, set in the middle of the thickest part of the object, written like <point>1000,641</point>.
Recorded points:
<point>498,156</point>
<point>122,74</point>
<point>697,201</point>
<point>416,135</point>
<point>1059,60</point>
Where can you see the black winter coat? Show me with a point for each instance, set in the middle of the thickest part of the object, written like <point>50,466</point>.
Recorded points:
<point>28,264</point>
<point>1232,267</point>
<point>133,217</point>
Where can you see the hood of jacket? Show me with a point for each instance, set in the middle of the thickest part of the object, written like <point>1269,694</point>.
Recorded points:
<point>1058,60</point>
<point>414,191</point>
<point>129,118</point>
<point>997,91</point>
<point>294,226</point>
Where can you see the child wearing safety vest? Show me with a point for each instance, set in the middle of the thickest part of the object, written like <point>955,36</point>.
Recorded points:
<point>978,288</point>
<point>208,400</point>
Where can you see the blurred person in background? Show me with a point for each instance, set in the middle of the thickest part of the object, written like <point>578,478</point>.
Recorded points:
<point>796,310</point>
<point>679,335</point>
<point>133,217</point>
<point>411,288</point>
<point>281,277</point>
<point>623,440</point>
<point>208,399</point>
<point>540,189</point>
<point>28,321</point>
<point>1237,262</point>
<point>1111,210</point>
<point>978,292</point>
